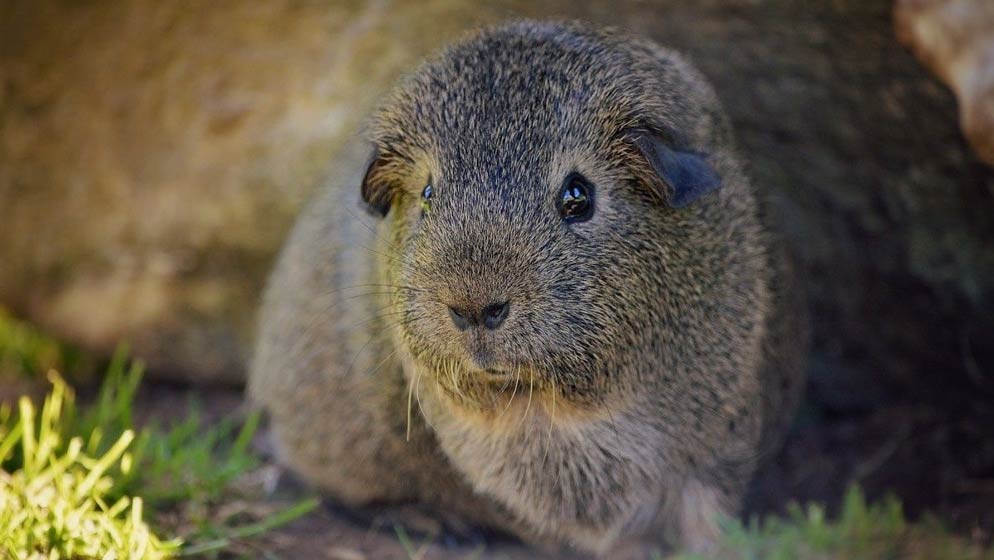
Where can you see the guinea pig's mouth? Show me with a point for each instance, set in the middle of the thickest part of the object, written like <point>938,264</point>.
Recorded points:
<point>491,370</point>
<point>493,379</point>
<point>493,374</point>
<point>483,364</point>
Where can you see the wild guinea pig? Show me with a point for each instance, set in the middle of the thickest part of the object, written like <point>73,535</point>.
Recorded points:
<point>567,316</point>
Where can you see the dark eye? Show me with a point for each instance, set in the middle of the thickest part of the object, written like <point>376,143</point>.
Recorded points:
<point>426,197</point>
<point>576,200</point>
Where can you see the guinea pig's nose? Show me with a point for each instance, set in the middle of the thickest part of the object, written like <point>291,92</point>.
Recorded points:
<point>490,316</point>
<point>461,319</point>
<point>494,315</point>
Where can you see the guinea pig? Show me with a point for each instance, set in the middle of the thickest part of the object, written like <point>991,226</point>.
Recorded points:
<point>565,315</point>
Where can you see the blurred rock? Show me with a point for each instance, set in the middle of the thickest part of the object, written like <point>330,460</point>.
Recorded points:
<point>152,156</point>
<point>955,39</point>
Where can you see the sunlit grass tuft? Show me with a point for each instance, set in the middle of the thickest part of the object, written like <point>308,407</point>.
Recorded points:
<point>56,497</point>
<point>85,483</point>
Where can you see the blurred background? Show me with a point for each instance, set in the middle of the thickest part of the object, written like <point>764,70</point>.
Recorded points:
<point>154,154</point>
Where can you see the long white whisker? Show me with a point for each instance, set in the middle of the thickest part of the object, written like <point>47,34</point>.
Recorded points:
<point>552,421</point>
<point>417,395</point>
<point>517,377</point>
<point>531,391</point>
<point>410,393</point>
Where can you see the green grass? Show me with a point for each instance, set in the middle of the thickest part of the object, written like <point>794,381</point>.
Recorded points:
<point>860,531</point>
<point>58,497</point>
<point>184,464</point>
<point>85,482</point>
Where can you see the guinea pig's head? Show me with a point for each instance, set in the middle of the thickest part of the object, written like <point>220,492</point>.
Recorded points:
<point>540,185</point>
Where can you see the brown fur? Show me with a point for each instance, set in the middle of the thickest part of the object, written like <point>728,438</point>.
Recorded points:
<point>651,354</point>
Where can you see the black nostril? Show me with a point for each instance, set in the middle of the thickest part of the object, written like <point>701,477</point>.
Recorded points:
<point>459,319</point>
<point>490,316</point>
<point>494,315</point>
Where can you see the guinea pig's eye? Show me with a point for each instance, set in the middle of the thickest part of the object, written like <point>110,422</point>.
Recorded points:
<point>426,197</point>
<point>576,199</point>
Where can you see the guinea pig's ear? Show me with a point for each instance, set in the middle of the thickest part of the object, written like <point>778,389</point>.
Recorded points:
<point>679,176</point>
<point>377,190</point>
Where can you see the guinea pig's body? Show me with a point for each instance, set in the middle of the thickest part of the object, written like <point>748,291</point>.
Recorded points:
<point>565,315</point>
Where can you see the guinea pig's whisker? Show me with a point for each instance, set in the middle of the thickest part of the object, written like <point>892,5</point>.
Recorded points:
<point>417,395</point>
<point>552,421</point>
<point>397,287</point>
<point>531,391</point>
<point>359,352</point>
<point>504,385</point>
<point>371,229</point>
<point>514,392</point>
<point>344,300</point>
<point>380,364</point>
<point>340,301</point>
<point>394,258</point>
<point>390,246</point>
<point>374,336</point>
<point>455,380</point>
<point>376,318</point>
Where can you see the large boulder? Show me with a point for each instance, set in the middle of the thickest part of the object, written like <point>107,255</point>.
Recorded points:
<point>955,39</point>
<point>152,156</point>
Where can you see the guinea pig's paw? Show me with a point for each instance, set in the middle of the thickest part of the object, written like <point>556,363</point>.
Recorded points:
<point>703,509</point>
